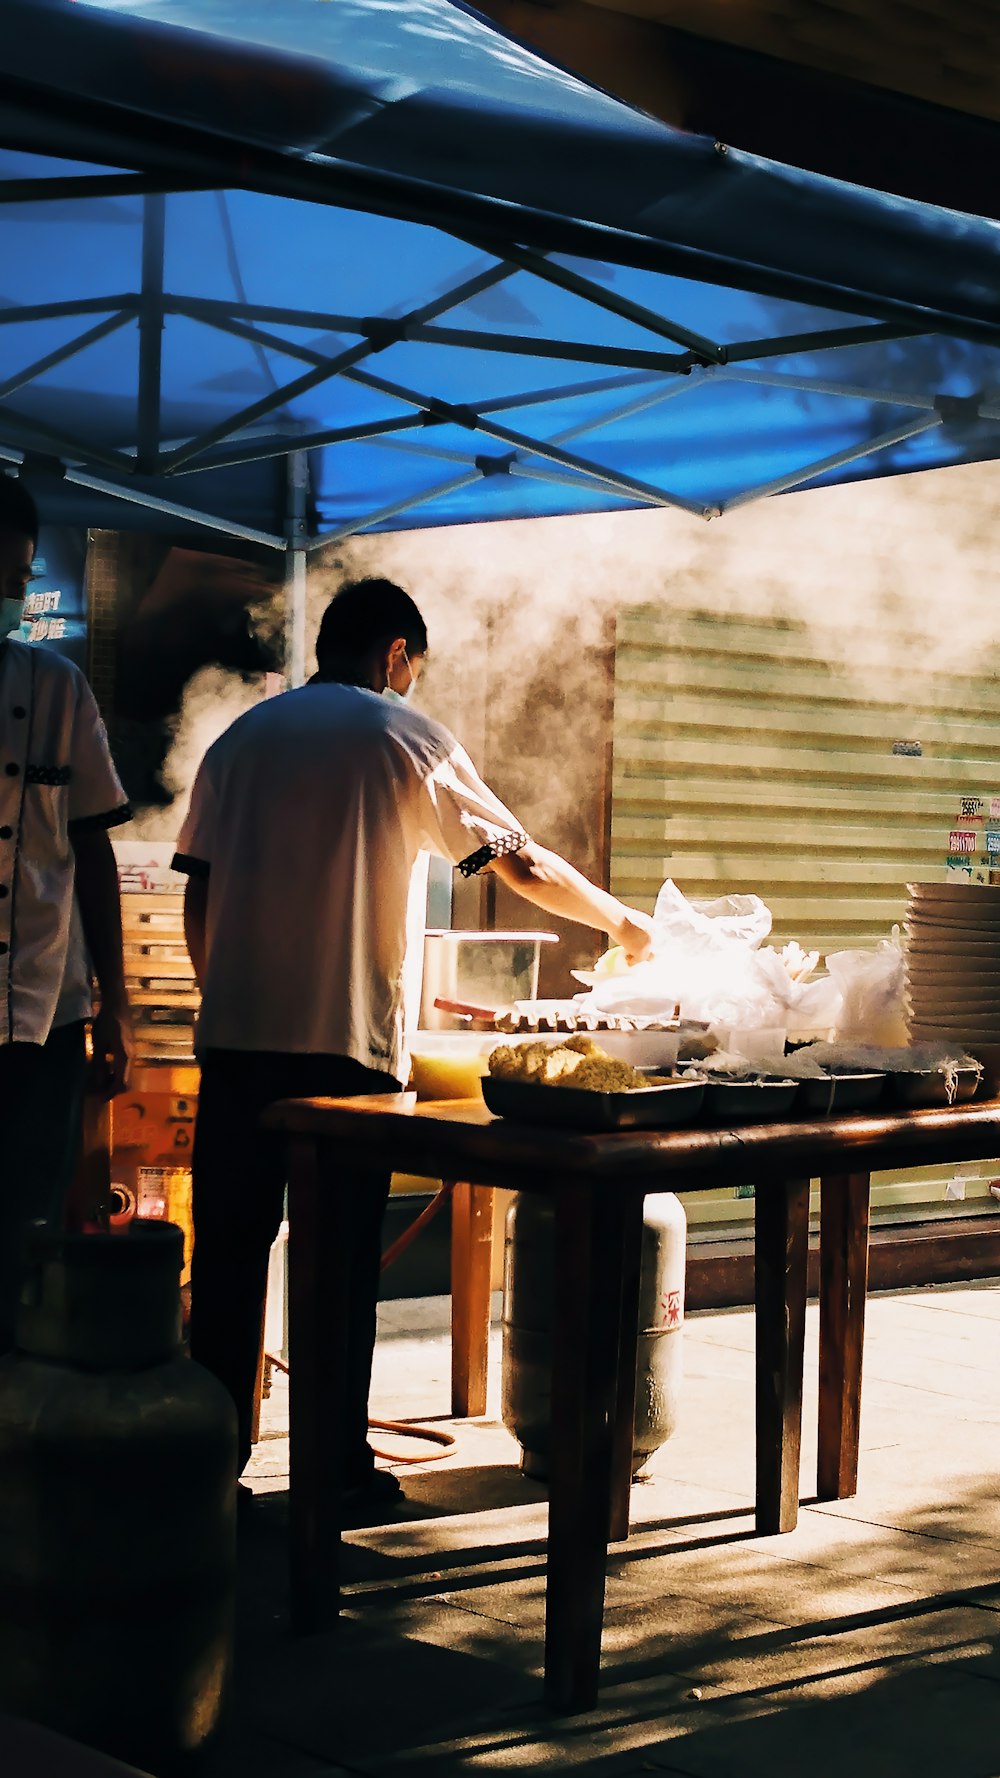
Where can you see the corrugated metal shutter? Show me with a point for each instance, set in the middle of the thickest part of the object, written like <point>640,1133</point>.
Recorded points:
<point>746,758</point>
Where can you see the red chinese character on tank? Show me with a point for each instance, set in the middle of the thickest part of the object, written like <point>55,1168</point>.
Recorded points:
<point>672,1308</point>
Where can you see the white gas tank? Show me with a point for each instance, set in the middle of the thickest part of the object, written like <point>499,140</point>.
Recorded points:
<point>526,1388</point>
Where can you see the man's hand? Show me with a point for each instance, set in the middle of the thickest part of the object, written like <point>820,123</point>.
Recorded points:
<point>547,880</point>
<point>96,884</point>
<point>635,935</point>
<point>111,1034</point>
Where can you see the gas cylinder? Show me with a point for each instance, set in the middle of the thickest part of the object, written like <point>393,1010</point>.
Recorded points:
<point>117,1504</point>
<point>527,1326</point>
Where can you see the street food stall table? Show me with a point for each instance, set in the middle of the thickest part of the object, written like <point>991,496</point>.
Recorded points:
<point>597,1184</point>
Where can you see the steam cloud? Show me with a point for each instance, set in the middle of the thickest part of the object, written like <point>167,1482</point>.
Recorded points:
<point>874,569</point>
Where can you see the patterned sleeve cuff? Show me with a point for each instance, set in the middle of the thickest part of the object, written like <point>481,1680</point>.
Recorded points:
<point>190,867</point>
<point>499,848</point>
<point>110,818</point>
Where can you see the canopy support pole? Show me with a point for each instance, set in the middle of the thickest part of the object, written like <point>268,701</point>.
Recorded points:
<point>297,469</point>
<point>154,215</point>
<point>472,421</point>
<point>382,334</point>
<point>365,520</point>
<point>838,460</point>
<point>170,509</point>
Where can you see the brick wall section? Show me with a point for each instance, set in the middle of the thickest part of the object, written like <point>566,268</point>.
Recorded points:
<point>103,570</point>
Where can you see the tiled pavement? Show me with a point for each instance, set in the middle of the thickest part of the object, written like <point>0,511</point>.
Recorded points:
<point>864,1643</point>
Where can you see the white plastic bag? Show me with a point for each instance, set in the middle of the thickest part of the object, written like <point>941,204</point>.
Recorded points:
<point>713,925</point>
<point>873,985</point>
<point>706,959</point>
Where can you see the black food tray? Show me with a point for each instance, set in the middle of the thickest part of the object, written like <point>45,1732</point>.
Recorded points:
<point>749,1101</point>
<point>931,1088</point>
<point>841,1092</point>
<point>572,1108</point>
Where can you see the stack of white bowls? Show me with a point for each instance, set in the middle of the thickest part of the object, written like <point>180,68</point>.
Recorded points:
<point>953,962</point>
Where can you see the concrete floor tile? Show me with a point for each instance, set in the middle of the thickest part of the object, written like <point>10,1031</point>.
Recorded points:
<point>980,1299</point>
<point>911,1721</point>
<point>360,1693</point>
<point>865,1640</point>
<point>248,1755</point>
<point>925,1500</point>
<point>761,1658</point>
<point>856,1549</point>
<point>742,1580</point>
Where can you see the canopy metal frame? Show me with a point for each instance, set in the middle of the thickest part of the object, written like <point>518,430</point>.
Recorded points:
<point>678,361</point>
<point>238,439</point>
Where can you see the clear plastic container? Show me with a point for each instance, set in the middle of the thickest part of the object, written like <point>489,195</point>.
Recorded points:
<point>765,1044</point>
<point>644,1049</point>
<point>449,1064</point>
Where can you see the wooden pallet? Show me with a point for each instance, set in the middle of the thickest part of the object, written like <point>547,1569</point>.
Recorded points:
<point>158,976</point>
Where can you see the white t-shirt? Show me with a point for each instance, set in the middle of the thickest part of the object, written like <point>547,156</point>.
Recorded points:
<point>56,778</point>
<point>307,816</point>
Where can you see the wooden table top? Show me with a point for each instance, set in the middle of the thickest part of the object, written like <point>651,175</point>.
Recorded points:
<point>460,1138</point>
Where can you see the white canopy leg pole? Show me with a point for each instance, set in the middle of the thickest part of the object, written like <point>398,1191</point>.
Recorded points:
<point>295,569</point>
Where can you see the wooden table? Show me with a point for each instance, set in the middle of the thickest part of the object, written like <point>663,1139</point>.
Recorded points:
<point>597,1185</point>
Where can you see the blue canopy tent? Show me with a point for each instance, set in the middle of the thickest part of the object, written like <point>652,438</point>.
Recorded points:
<point>442,280</point>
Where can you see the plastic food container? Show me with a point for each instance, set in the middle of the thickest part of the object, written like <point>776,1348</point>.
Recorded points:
<point>763,1044</point>
<point>644,1049</point>
<point>449,1064</point>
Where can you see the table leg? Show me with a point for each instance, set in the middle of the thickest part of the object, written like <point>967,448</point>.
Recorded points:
<point>628,1344</point>
<point>471,1278</point>
<point>90,1191</point>
<point>781,1244</point>
<point>843,1283</point>
<point>589,1255</point>
<point>318,1310</point>
<point>258,1387</point>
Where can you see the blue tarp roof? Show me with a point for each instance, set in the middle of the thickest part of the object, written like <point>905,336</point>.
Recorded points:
<point>467,284</point>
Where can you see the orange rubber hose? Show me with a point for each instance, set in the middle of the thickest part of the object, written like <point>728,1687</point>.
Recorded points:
<point>402,1427</point>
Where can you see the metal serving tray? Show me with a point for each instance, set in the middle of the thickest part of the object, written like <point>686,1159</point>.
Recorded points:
<point>572,1108</point>
<point>841,1092</point>
<point>749,1101</point>
<point>931,1088</point>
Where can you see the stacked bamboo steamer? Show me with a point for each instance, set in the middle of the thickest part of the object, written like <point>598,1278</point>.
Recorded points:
<point>953,963</point>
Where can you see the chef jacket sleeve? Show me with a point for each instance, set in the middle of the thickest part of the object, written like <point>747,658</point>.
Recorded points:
<point>194,842</point>
<point>462,819</point>
<point>96,797</point>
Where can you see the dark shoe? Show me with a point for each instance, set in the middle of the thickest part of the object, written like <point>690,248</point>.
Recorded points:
<point>244,1498</point>
<point>379,1490</point>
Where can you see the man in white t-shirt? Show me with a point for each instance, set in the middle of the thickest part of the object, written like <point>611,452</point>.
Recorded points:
<point>60,914</point>
<point>306,819</point>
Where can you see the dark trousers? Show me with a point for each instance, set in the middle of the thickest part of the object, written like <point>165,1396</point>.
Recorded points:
<point>239,1184</point>
<point>41,1094</point>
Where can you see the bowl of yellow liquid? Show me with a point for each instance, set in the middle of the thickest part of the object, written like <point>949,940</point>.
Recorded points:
<point>449,1064</point>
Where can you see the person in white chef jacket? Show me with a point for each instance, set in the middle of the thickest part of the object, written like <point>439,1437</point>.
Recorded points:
<point>306,819</point>
<point>60,913</point>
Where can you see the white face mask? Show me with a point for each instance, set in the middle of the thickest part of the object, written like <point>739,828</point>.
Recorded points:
<point>12,620</point>
<point>401,697</point>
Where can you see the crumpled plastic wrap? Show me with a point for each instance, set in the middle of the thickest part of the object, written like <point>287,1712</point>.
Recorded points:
<point>872,1058</point>
<point>873,987</point>
<point>710,958</point>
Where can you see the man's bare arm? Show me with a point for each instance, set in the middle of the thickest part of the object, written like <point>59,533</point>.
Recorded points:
<point>96,887</point>
<point>547,880</point>
<point>195,912</point>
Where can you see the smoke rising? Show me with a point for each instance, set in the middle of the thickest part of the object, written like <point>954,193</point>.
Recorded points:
<point>520,612</point>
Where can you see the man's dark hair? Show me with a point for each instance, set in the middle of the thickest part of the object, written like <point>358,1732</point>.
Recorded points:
<point>18,511</point>
<point>365,616</point>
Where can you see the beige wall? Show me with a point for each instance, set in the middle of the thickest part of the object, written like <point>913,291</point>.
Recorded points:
<point>522,621</point>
